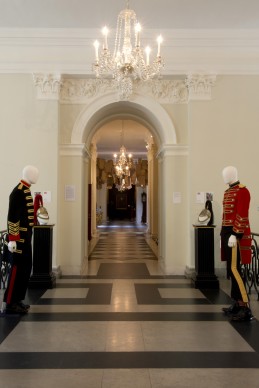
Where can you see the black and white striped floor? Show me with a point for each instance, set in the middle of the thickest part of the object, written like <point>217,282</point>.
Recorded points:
<point>124,324</point>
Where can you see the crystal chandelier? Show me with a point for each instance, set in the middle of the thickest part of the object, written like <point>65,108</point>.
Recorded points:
<point>122,164</point>
<point>128,62</point>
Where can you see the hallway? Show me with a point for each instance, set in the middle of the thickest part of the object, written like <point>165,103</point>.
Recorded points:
<point>124,324</point>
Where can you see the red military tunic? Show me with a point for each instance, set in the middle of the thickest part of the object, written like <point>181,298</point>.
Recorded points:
<point>235,218</point>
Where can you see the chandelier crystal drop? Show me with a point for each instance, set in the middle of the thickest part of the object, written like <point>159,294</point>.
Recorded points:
<point>129,60</point>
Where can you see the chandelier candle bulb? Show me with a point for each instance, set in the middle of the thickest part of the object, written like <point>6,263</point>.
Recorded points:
<point>138,29</point>
<point>96,46</point>
<point>159,41</point>
<point>105,34</point>
<point>147,50</point>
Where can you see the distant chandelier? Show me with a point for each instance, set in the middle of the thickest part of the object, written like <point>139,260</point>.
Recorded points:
<point>122,165</point>
<point>127,62</point>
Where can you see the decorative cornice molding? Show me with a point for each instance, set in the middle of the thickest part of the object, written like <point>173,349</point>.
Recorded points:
<point>164,91</point>
<point>47,86</point>
<point>199,86</point>
<point>81,90</point>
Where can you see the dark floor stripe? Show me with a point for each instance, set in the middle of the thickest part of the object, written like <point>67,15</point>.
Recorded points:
<point>110,316</point>
<point>118,360</point>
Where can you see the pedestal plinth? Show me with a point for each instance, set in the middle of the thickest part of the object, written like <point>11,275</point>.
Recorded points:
<point>42,275</point>
<point>204,258</point>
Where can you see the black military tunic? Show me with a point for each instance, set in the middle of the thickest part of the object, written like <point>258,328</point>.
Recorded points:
<point>20,221</point>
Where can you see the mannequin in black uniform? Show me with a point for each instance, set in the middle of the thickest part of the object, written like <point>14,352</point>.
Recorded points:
<point>20,222</point>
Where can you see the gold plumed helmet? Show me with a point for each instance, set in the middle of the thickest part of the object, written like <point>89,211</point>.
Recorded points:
<point>42,216</point>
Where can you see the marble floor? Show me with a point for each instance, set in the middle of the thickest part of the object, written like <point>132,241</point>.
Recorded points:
<point>123,323</point>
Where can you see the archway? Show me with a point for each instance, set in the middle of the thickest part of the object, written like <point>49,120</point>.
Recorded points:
<point>144,109</point>
<point>141,109</point>
<point>149,112</point>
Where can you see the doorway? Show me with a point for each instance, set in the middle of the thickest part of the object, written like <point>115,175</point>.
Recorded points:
<point>121,204</point>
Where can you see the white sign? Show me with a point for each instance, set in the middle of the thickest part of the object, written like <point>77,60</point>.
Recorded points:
<point>70,193</point>
<point>200,197</point>
<point>177,197</point>
<point>46,196</point>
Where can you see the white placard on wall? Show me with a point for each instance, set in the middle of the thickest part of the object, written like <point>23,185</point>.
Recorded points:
<point>46,196</point>
<point>200,197</point>
<point>70,193</point>
<point>177,197</point>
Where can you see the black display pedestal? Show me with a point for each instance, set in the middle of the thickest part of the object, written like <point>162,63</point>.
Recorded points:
<point>42,275</point>
<point>204,258</point>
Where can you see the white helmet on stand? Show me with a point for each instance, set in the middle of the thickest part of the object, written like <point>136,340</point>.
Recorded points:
<point>42,216</point>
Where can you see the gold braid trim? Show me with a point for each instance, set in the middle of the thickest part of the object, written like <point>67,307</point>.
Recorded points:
<point>13,228</point>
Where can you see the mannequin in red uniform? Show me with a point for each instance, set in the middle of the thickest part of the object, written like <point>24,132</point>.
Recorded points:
<point>236,242</point>
<point>20,222</point>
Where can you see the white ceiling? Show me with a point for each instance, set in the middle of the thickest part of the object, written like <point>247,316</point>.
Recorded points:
<point>160,14</point>
<point>116,133</point>
<point>220,36</point>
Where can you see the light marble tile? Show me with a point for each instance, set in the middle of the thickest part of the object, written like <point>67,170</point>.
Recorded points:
<point>51,378</point>
<point>204,378</point>
<point>193,336</point>
<point>126,378</point>
<point>56,337</point>
<point>124,337</point>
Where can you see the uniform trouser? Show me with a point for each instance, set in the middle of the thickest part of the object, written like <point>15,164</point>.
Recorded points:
<point>19,275</point>
<point>238,291</point>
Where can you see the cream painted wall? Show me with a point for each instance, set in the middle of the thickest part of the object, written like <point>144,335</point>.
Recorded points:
<point>224,131</point>
<point>218,132</point>
<point>29,135</point>
<point>74,172</point>
<point>68,115</point>
<point>173,238</point>
<point>179,116</point>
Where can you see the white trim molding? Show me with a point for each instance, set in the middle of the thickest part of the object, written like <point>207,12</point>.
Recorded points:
<point>70,51</point>
<point>173,150</point>
<point>74,150</point>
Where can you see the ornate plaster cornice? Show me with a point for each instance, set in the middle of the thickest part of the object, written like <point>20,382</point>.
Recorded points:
<point>164,91</point>
<point>48,86</point>
<point>199,86</point>
<point>83,90</point>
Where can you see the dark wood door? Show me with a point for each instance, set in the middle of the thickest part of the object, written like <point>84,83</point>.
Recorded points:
<point>121,204</point>
<point>89,212</point>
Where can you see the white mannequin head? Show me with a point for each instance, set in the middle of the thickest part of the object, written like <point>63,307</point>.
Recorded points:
<point>229,175</point>
<point>30,174</point>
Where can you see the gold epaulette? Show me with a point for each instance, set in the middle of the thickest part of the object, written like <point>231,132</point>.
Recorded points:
<point>241,186</point>
<point>20,186</point>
